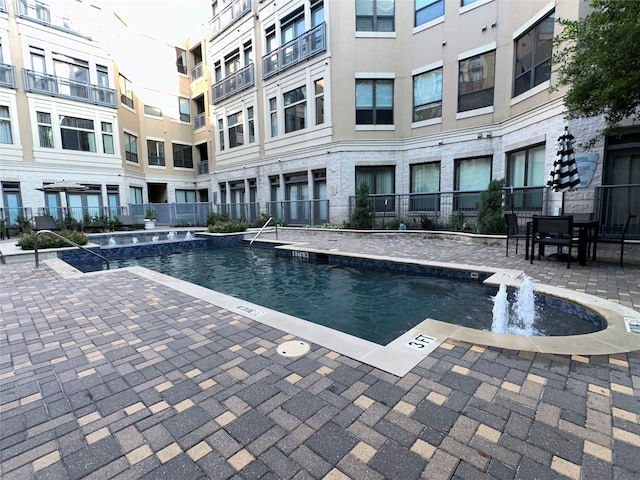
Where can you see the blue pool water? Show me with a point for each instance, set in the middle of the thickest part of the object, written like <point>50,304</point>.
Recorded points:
<point>371,303</point>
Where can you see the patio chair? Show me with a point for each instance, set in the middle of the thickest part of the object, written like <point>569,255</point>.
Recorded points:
<point>45,222</point>
<point>552,231</point>
<point>514,231</point>
<point>125,222</point>
<point>615,237</point>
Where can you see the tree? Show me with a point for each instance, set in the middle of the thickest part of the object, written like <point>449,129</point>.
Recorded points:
<point>361,218</point>
<point>597,58</point>
<point>490,214</point>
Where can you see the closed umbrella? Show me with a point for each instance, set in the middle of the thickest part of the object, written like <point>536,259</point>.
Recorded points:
<point>564,176</point>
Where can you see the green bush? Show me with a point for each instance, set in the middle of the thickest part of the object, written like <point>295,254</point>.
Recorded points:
<point>214,217</point>
<point>362,218</point>
<point>229,227</point>
<point>490,213</point>
<point>46,240</point>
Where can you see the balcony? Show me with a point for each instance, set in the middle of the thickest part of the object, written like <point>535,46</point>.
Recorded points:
<point>200,121</point>
<point>196,72</point>
<point>40,13</point>
<point>63,87</point>
<point>235,83</point>
<point>203,167</point>
<point>3,6</point>
<point>307,45</point>
<point>7,76</point>
<point>228,16</point>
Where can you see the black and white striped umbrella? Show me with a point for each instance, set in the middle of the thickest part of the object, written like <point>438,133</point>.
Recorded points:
<point>564,176</point>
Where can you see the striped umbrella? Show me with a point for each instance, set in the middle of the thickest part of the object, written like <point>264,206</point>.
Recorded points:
<point>564,176</point>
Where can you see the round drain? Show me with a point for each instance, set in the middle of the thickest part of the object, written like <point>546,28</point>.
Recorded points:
<point>293,348</point>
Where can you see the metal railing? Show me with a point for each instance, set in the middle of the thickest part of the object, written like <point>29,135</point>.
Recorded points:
<point>299,212</point>
<point>262,228</point>
<point>203,167</point>
<point>65,239</point>
<point>200,121</point>
<point>612,206</point>
<point>196,72</point>
<point>248,212</point>
<point>40,13</point>
<point>7,76</point>
<point>307,45</point>
<point>229,15</point>
<point>63,87</point>
<point>457,210</point>
<point>235,83</point>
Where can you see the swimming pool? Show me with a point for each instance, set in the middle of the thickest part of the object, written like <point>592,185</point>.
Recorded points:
<point>365,300</point>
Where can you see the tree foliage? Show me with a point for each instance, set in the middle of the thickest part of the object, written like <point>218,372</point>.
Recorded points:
<point>361,218</point>
<point>490,213</point>
<point>597,58</point>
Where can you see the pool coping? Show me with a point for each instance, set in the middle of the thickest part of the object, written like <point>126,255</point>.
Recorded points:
<point>405,352</point>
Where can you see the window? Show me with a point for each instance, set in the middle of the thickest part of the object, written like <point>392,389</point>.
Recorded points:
<point>135,195</point>
<point>45,130</point>
<point>375,16</point>
<point>381,182</point>
<point>153,111</point>
<point>525,168</point>
<point>107,137</point>
<point>103,76</point>
<point>130,147</point>
<point>217,71</point>
<point>183,104</point>
<point>475,81</point>
<point>427,10</point>
<point>427,95</point>
<point>374,102</point>
<point>236,130</point>
<point>182,156</point>
<point>126,93</point>
<point>252,125</point>
<point>5,125</point>
<point>292,26</point>
<point>466,2</point>
<point>12,202</point>
<point>471,175</point>
<point>232,63</point>
<point>317,12</point>
<point>221,133</point>
<point>273,115</point>
<point>185,196</point>
<point>295,110</point>
<point>425,183</point>
<point>181,60</point>
<point>77,71</point>
<point>533,56</point>
<point>42,13</point>
<point>247,50</point>
<point>77,134</point>
<point>318,86</point>
<point>155,152</point>
<point>270,38</point>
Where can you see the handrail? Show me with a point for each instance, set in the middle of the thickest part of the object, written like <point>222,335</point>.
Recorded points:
<point>262,228</point>
<point>35,245</point>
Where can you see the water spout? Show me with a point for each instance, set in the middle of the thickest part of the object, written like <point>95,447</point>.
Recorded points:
<point>518,318</point>
<point>112,241</point>
<point>134,240</point>
<point>171,236</point>
<point>155,238</point>
<point>188,236</point>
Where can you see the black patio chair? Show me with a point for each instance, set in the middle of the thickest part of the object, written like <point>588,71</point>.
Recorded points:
<point>514,231</point>
<point>552,231</point>
<point>615,237</point>
<point>45,222</point>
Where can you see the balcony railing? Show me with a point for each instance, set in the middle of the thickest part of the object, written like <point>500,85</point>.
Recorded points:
<point>229,15</point>
<point>196,72</point>
<point>300,212</point>
<point>203,167</point>
<point>305,46</point>
<point>200,121</point>
<point>40,13</point>
<point>7,76</point>
<point>63,87</point>
<point>235,83</point>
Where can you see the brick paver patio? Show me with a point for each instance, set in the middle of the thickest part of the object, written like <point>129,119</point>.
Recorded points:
<point>114,376</point>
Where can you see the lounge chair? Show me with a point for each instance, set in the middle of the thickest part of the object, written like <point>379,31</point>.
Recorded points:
<point>125,222</point>
<point>45,222</point>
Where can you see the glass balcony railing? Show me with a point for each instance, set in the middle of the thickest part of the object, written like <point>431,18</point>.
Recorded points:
<point>199,121</point>
<point>196,72</point>
<point>237,82</point>
<point>203,167</point>
<point>63,87</point>
<point>41,13</point>
<point>7,76</point>
<point>305,46</point>
<point>229,15</point>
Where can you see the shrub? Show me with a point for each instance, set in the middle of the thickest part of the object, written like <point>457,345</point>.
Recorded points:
<point>361,218</point>
<point>228,227</point>
<point>46,240</point>
<point>426,223</point>
<point>490,213</point>
<point>214,217</point>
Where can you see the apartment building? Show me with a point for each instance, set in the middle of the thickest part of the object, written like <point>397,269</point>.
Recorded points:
<point>285,107</point>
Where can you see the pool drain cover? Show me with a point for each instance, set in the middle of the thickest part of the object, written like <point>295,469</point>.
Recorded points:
<point>293,348</point>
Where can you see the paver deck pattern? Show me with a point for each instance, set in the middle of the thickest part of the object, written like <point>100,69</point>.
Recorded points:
<point>114,376</point>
